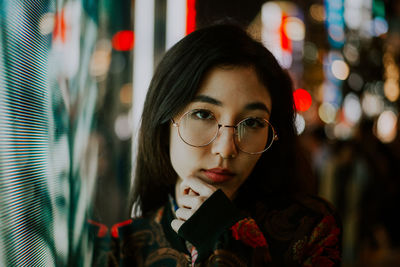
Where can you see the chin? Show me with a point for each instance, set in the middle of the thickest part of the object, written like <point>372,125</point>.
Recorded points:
<point>228,193</point>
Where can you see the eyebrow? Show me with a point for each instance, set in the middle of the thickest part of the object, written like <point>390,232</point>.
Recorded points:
<point>207,99</point>
<point>251,106</point>
<point>257,106</point>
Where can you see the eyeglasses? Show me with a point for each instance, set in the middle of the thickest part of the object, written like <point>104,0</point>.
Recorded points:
<point>199,128</point>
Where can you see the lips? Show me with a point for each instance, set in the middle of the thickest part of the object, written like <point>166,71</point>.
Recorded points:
<point>219,175</point>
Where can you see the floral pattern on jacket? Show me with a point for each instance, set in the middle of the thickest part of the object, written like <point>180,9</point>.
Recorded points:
<point>301,231</point>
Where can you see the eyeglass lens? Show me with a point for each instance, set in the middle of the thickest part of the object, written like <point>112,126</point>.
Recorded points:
<point>200,128</point>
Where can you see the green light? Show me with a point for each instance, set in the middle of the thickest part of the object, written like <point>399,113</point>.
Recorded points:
<point>378,8</point>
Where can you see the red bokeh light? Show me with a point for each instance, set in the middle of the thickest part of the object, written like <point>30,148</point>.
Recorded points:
<point>302,99</point>
<point>123,40</point>
<point>190,16</point>
<point>285,41</point>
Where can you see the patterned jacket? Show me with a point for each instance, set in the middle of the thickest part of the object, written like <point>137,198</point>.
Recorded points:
<point>279,231</point>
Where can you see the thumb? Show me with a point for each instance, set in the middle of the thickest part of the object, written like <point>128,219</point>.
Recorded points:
<point>176,225</point>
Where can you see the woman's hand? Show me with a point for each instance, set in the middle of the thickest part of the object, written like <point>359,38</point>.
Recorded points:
<point>191,194</point>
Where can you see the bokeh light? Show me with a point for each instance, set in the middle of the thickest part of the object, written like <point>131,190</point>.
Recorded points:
<point>327,112</point>
<point>317,12</point>
<point>282,32</point>
<point>380,26</point>
<point>294,28</point>
<point>391,85</point>
<point>372,104</point>
<point>310,52</point>
<point>391,89</point>
<point>353,13</point>
<point>271,15</point>
<point>332,93</point>
<point>340,69</point>
<point>391,70</point>
<point>302,99</point>
<point>386,127</point>
<point>355,81</point>
<point>336,33</point>
<point>300,124</point>
<point>123,40</point>
<point>342,131</point>
<point>352,108</point>
<point>351,53</point>
<point>125,94</point>
<point>123,126</point>
<point>101,58</point>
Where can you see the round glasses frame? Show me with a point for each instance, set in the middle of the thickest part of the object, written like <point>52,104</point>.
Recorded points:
<point>274,137</point>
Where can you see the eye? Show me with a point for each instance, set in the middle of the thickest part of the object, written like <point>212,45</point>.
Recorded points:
<point>202,114</point>
<point>254,123</point>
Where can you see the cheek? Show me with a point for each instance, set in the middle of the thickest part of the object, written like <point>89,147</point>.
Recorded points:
<point>181,155</point>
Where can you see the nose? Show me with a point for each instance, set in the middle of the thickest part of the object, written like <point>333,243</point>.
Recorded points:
<point>224,144</point>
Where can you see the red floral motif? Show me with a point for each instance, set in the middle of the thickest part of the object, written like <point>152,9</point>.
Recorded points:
<point>248,232</point>
<point>323,244</point>
<point>326,233</point>
<point>103,229</point>
<point>114,228</point>
<point>327,227</point>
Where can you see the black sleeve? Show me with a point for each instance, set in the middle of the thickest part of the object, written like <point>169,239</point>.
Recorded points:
<point>210,229</point>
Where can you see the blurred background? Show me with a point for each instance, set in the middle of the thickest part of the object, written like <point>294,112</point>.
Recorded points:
<point>74,74</point>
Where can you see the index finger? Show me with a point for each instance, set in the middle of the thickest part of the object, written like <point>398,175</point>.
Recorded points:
<point>197,186</point>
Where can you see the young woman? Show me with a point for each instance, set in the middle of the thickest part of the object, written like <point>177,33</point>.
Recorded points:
<point>216,178</point>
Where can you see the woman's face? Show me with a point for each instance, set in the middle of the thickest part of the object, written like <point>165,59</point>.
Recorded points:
<point>231,94</point>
